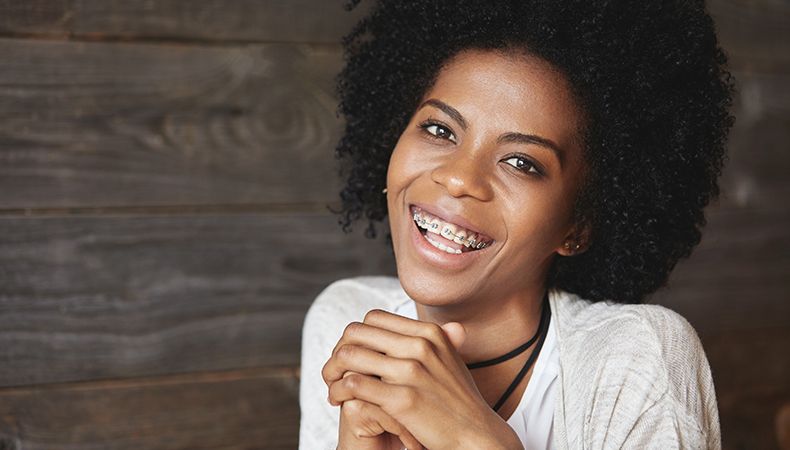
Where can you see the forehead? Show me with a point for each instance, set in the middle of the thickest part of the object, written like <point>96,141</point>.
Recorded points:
<point>508,91</point>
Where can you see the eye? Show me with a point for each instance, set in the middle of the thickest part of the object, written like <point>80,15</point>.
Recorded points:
<point>438,131</point>
<point>523,164</point>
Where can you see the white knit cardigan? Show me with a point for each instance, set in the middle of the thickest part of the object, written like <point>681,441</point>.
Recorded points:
<point>631,376</point>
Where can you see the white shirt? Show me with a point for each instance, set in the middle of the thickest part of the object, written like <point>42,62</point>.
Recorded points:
<point>533,418</point>
<point>629,376</point>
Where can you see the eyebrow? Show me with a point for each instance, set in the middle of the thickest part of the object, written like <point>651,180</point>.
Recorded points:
<point>447,109</point>
<point>507,138</point>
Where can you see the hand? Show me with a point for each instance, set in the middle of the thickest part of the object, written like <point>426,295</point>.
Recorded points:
<point>412,372</point>
<point>364,426</point>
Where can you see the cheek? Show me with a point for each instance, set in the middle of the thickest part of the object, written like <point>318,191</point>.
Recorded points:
<point>404,166</point>
<point>541,220</point>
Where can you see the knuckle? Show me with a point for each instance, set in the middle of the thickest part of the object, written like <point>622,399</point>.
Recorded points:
<point>372,315</point>
<point>351,329</point>
<point>352,382</point>
<point>353,408</point>
<point>411,368</point>
<point>405,401</point>
<point>345,352</point>
<point>423,348</point>
<point>325,373</point>
<point>435,333</point>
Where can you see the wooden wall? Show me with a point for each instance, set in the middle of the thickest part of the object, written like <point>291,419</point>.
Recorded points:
<point>164,174</point>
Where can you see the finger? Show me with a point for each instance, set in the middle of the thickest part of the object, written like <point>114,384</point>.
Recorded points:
<point>369,420</point>
<point>389,342</point>
<point>456,333</point>
<point>429,331</point>
<point>365,361</point>
<point>393,399</point>
<point>380,339</point>
<point>404,325</point>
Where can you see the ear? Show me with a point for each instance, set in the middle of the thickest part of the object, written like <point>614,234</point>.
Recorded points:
<point>576,241</point>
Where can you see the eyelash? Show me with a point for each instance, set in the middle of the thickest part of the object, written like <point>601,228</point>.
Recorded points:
<point>529,168</point>
<point>433,123</point>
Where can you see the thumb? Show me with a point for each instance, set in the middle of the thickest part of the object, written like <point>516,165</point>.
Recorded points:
<point>456,333</point>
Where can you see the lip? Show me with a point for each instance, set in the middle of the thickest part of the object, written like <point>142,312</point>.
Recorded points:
<point>438,258</point>
<point>452,218</point>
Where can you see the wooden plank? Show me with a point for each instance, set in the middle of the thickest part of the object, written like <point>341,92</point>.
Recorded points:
<point>759,154</point>
<point>90,124</point>
<point>755,34</point>
<point>752,376</point>
<point>235,410</point>
<point>315,21</point>
<point>97,124</point>
<point>309,21</point>
<point>52,18</point>
<point>103,297</point>
<point>738,277</point>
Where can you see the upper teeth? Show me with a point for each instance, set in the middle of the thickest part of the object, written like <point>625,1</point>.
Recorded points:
<point>449,231</point>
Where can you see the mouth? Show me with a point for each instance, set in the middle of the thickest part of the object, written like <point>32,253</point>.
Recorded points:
<point>447,236</point>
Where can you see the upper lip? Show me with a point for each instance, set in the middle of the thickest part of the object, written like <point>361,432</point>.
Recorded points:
<point>448,216</point>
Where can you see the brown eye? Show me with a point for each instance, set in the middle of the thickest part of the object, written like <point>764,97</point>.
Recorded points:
<point>522,164</point>
<point>439,131</point>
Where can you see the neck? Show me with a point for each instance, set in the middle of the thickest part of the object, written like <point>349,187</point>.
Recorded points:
<point>494,325</point>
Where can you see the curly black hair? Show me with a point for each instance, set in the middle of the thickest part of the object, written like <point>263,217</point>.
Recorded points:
<point>652,82</point>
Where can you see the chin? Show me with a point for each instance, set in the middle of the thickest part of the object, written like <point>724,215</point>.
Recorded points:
<point>430,291</point>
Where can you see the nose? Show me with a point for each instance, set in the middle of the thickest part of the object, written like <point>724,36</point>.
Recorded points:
<point>463,174</point>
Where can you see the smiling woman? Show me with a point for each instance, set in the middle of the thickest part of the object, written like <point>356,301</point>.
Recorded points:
<point>543,164</point>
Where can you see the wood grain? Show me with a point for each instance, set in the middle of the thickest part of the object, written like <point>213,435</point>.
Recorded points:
<point>751,373</point>
<point>233,410</point>
<point>238,125</point>
<point>738,277</point>
<point>102,297</point>
<point>219,21</point>
<point>52,18</point>
<point>87,124</point>
<point>755,33</point>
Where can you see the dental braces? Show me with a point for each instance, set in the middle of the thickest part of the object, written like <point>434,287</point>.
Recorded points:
<point>449,234</point>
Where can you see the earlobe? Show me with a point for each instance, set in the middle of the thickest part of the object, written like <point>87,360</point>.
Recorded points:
<point>576,242</point>
<point>571,247</point>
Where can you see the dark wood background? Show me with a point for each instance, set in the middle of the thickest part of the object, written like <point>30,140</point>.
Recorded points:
<point>165,168</point>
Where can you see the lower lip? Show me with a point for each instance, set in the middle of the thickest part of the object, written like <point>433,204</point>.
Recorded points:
<point>440,258</point>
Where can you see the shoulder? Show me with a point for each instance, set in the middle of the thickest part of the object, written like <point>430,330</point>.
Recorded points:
<point>626,360</point>
<point>350,298</point>
<point>651,332</point>
<point>345,301</point>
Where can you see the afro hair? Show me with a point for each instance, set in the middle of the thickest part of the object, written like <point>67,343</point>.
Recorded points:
<point>652,82</point>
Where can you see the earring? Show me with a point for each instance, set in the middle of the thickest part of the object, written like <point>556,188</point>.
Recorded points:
<point>384,191</point>
<point>576,246</point>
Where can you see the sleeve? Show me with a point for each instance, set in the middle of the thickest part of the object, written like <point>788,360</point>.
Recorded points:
<point>685,415</point>
<point>654,389</point>
<point>322,328</point>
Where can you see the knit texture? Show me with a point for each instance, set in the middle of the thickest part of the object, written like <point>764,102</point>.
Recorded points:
<point>631,376</point>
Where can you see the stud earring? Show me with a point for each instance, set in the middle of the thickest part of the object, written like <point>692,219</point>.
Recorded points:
<point>384,191</point>
<point>567,246</point>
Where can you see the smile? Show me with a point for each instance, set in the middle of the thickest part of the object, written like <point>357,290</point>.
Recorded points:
<point>447,236</point>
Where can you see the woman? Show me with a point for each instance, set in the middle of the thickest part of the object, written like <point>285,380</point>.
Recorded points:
<point>543,166</point>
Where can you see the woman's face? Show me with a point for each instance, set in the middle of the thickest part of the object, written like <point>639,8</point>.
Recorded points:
<point>493,154</point>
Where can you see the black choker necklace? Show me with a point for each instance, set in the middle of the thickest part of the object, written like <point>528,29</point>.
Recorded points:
<point>540,336</point>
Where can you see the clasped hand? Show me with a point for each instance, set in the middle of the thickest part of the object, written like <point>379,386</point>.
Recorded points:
<point>401,382</point>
